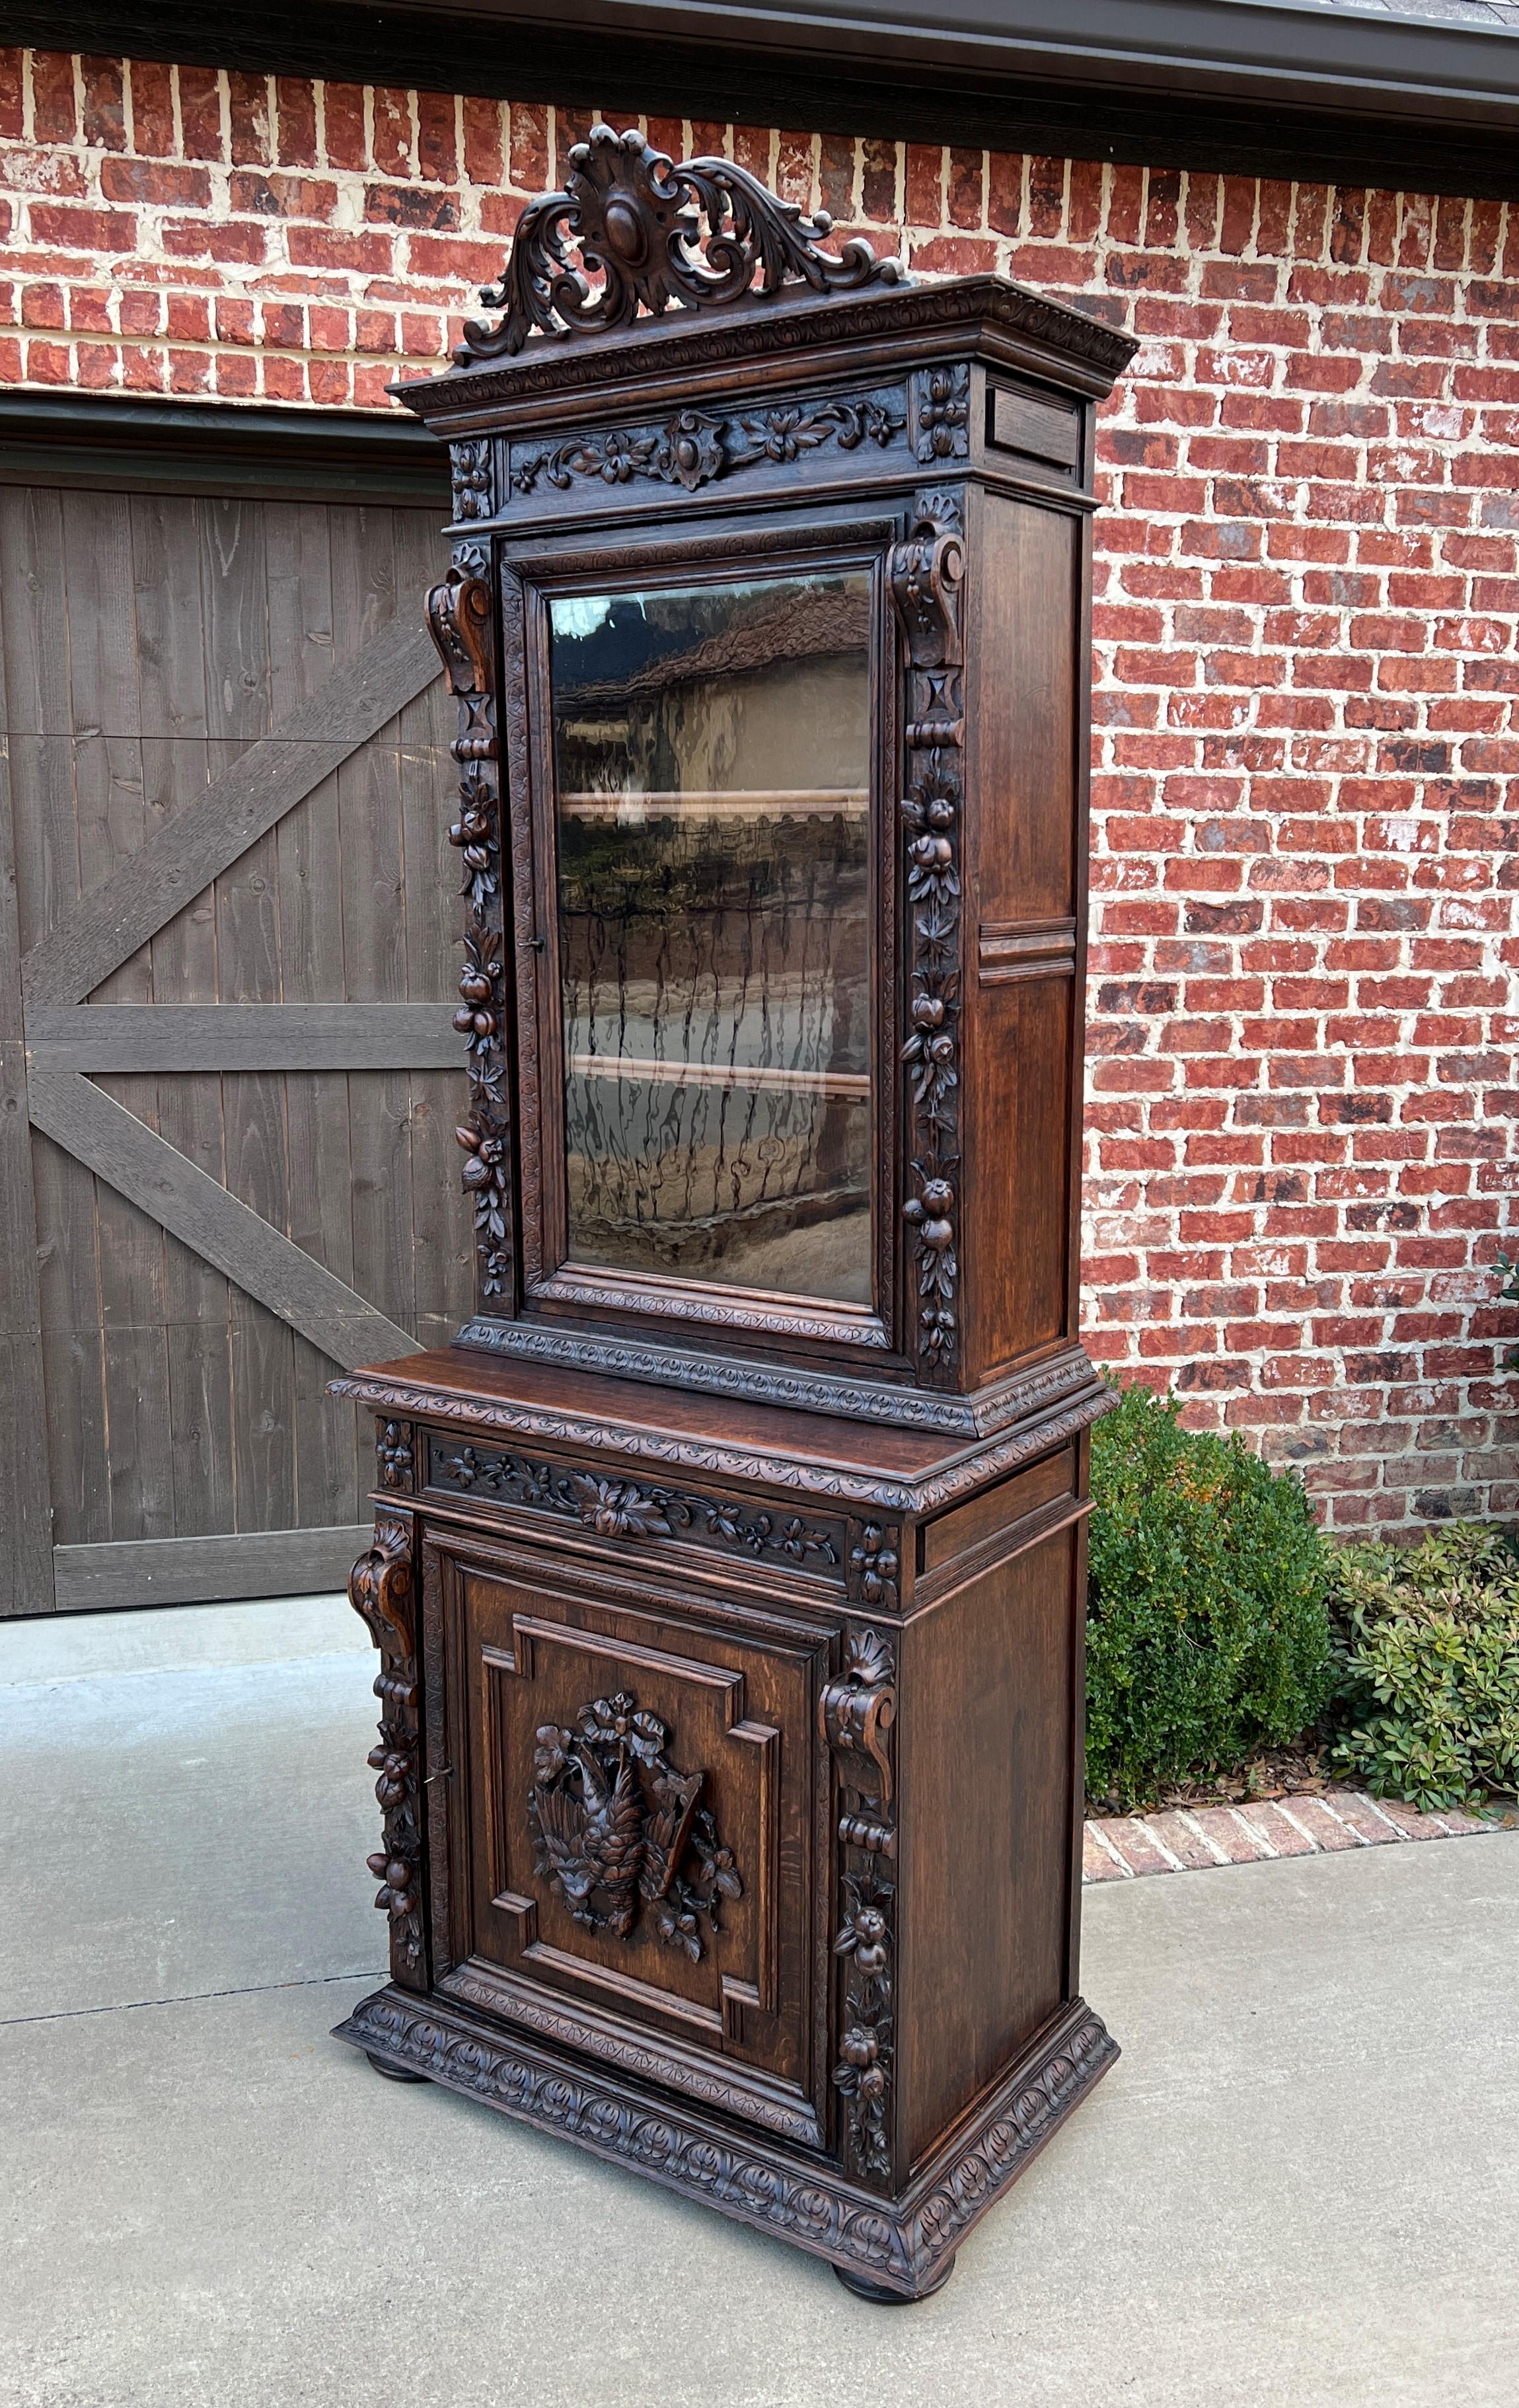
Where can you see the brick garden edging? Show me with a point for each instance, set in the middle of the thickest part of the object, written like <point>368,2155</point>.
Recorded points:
<point>1193,1839</point>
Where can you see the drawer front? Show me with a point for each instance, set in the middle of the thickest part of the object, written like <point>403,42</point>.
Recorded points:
<point>639,1821</point>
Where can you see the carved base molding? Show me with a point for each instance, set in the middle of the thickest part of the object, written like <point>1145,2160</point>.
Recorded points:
<point>902,2245</point>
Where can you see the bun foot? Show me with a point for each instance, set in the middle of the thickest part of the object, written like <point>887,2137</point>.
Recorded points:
<point>864,2288</point>
<point>393,2072</point>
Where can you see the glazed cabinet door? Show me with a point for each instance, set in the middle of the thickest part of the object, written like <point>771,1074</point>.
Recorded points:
<point>636,1812</point>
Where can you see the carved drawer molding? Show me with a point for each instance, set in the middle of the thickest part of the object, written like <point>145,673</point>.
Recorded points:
<point>612,1508</point>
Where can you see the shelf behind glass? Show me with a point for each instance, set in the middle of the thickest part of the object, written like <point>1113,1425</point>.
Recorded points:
<point>712,803</point>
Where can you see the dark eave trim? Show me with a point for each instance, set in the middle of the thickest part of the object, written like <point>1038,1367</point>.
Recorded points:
<point>1304,92</point>
<point>106,442</point>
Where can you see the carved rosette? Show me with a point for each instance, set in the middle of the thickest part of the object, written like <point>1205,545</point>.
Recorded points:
<point>942,413</point>
<point>459,618</point>
<point>874,1564</point>
<point>380,1589</point>
<point>700,235</point>
<point>855,1714</point>
<point>395,1454</point>
<point>925,576</point>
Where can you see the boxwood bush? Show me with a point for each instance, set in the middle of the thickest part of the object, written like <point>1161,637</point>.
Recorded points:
<point>1426,1648</point>
<point>1207,1634</point>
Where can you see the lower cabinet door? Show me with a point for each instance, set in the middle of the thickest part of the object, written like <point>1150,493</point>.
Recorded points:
<point>638,1835</point>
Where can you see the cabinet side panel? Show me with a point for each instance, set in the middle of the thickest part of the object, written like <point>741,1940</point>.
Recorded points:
<point>1022,686</point>
<point>1026,833</point>
<point>1019,1242</point>
<point>985,1739</point>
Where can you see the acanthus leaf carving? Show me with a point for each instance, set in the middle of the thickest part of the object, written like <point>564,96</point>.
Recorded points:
<point>614,1824</point>
<point>702,235</point>
<point>382,1591</point>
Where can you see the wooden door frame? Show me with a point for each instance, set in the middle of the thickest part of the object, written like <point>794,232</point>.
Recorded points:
<point>51,1041</point>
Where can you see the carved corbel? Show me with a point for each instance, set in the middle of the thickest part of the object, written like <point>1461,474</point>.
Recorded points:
<point>381,1590</point>
<point>459,621</point>
<point>925,575</point>
<point>379,1586</point>
<point>856,1713</point>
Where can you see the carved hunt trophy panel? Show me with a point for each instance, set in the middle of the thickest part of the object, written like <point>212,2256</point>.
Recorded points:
<point>729,1573</point>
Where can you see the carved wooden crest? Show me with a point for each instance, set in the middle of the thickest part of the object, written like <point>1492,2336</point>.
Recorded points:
<point>695,237</point>
<point>615,1823</point>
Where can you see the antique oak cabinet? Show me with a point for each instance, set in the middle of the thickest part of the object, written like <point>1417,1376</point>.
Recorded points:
<point>728,1569</point>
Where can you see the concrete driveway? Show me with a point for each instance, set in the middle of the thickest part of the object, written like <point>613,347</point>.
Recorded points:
<point>1300,2185</point>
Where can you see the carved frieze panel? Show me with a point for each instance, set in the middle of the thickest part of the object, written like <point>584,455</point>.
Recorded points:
<point>694,448</point>
<point>628,1509</point>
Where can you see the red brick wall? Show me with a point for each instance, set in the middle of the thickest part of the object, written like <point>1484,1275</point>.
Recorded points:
<point>1304,1015</point>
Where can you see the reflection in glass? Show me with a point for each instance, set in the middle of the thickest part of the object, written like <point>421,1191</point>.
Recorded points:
<point>711,752</point>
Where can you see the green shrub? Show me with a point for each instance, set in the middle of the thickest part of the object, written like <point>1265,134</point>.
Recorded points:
<point>1426,1642</point>
<point>1207,1637</point>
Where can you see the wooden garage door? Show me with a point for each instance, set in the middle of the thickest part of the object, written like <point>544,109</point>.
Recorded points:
<point>226,1153</point>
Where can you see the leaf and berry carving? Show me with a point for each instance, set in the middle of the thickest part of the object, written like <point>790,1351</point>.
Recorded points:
<point>459,616</point>
<point>699,236</point>
<point>478,1020</point>
<point>621,1509</point>
<point>856,1714</point>
<point>694,449</point>
<point>925,576</point>
<point>485,1177</point>
<point>380,1591</point>
<point>618,1830</point>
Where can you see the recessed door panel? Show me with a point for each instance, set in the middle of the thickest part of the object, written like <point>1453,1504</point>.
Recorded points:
<point>639,1806</point>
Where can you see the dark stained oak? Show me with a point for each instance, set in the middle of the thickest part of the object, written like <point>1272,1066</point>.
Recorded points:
<point>729,1575</point>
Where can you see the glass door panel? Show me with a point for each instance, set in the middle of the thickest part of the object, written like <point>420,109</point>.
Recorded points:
<point>712,765</point>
